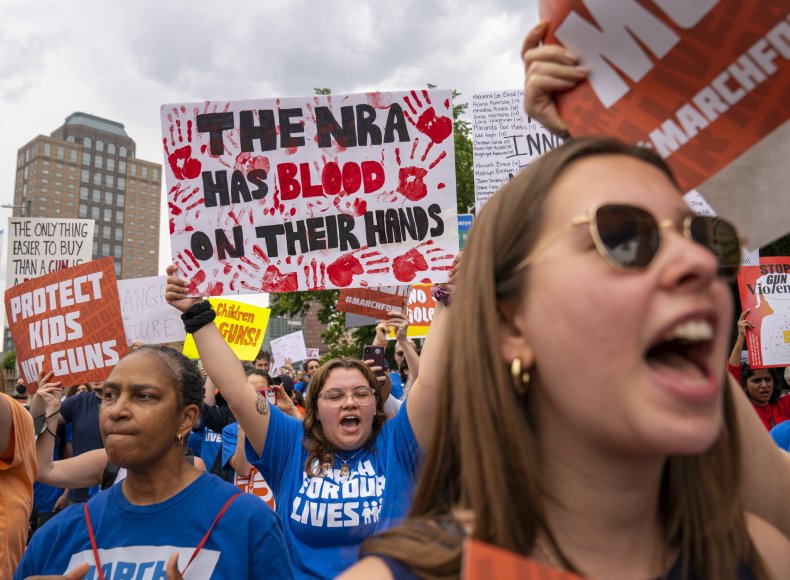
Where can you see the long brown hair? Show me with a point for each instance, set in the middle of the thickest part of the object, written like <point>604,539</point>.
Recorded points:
<point>484,451</point>
<point>321,451</point>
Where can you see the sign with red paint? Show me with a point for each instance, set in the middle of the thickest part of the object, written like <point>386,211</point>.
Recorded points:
<point>68,322</point>
<point>699,82</point>
<point>243,326</point>
<point>765,291</point>
<point>308,193</point>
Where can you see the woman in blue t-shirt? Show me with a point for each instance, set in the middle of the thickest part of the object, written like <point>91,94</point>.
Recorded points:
<point>345,472</point>
<point>165,515</point>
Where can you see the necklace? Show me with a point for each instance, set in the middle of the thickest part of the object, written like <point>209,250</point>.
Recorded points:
<point>548,554</point>
<point>344,470</point>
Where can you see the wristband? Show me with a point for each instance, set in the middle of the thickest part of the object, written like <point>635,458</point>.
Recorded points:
<point>441,295</point>
<point>198,316</point>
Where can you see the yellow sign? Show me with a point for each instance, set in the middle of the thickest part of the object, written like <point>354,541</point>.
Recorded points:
<point>420,312</point>
<point>242,325</point>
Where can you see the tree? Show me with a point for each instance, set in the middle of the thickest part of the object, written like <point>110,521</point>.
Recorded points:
<point>343,342</point>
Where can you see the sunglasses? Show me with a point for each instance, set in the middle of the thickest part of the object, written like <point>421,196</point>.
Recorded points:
<point>628,237</point>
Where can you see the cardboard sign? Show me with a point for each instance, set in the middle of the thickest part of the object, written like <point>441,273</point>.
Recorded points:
<point>39,246</point>
<point>288,346</point>
<point>505,140</point>
<point>146,314</point>
<point>375,303</point>
<point>309,193</point>
<point>481,561</point>
<point>705,84</point>
<point>765,289</point>
<point>68,322</point>
<point>256,485</point>
<point>242,325</point>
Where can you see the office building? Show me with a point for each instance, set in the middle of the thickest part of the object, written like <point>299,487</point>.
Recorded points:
<point>87,168</point>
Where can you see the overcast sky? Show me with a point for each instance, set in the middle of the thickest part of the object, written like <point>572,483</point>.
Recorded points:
<point>122,60</point>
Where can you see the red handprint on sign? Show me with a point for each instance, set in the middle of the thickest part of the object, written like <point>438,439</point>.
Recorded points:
<point>406,266</point>
<point>181,162</point>
<point>437,128</point>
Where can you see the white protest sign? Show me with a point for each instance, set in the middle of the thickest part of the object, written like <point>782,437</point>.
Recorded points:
<point>311,353</point>
<point>38,246</point>
<point>288,346</point>
<point>505,140</point>
<point>146,314</point>
<point>700,206</point>
<point>308,193</point>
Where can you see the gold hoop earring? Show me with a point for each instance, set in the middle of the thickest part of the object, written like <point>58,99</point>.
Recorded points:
<point>180,437</point>
<point>519,378</point>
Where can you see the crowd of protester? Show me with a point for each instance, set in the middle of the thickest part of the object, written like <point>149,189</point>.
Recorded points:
<point>597,433</point>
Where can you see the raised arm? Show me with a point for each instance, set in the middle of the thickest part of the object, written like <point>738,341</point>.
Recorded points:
<point>743,324</point>
<point>82,471</point>
<point>249,407</point>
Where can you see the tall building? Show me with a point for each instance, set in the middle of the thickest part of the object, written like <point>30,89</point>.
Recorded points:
<point>87,168</point>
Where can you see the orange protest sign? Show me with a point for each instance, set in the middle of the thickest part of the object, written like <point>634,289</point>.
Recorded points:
<point>699,82</point>
<point>368,302</point>
<point>68,322</point>
<point>483,561</point>
<point>421,307</point>
<point>256,485</point>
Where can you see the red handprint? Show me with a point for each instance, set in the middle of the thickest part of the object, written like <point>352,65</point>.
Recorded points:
<point>428,123</point>
<point>341,272</point>
<point>406,267</point>
<point>181,162</point>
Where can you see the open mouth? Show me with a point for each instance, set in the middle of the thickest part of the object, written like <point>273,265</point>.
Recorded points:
<point>350,422</point>
<point>680,358</point>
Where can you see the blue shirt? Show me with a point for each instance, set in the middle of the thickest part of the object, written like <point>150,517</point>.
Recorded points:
<point>325,519</point>
<point>138,541</point>
<point>781,435</point>
<point>397,385</point>
<point>82,412</point>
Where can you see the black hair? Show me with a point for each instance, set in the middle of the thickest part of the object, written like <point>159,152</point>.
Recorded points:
<point>264,354</point>
<point>747,371</point>
<point>186,372</point>
<point>259,373</point>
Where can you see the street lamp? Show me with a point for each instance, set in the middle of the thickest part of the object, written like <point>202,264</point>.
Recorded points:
<point>25,207</point>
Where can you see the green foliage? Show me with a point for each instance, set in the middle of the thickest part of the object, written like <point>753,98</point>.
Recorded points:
<point>9,360</point>
<point>349,342</point>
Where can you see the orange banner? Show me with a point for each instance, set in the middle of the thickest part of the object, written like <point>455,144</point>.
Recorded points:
<point>68,322</point>
<point>484,561</point>
<point>373,303</point>
<point>699,82</point>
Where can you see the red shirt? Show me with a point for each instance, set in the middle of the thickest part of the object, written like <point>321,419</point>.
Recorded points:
<point>771,414</point>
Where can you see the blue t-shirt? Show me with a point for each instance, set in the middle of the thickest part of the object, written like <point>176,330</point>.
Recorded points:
<point>325,519</point>
<point>781,435</point>
<point>230,437</point>
<point>138,541</point>
<point>397,385</point>
<point>82,412</point>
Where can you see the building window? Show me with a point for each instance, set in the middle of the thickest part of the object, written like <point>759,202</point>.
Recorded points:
<point>118,217</point>
<point>95,213</point>
<point>155,174</point>
<point>83,211</point>
<point>96,196</point>
<point>99,145</point>
<point>117,251</point>
<point>106,233</point>
<point>86,158</point>
<point>117,270</point>
<point>144,172</point>
<point>73,155</point>
<point>47,150</point>
<point>122,183</point>
<point>71,139</point>
<point>85,176</point>
<point>105,249</point>
<point>122,166</point>
<point>110,164</point>
<point>86,142</point>
<point>108,180</point>
<point>107,214</point>
<point>60,152</point>
<point>95,248</point>
<point>118,235</point>
<point>97,179</point>
<point>97,161</point>
<point>122,152</point>
<point>108,197</point>
<point>133,170</point>
<point>111,149</point>
<point>119,200</point>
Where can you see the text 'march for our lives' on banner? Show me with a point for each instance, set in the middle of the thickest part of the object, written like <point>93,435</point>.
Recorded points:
<point>704,84</point>
<point>307,193</point>
<point>68,322</point>
<point>38,246</point>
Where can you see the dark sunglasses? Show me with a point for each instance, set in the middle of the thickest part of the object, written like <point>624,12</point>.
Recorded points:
<point>629,237</point>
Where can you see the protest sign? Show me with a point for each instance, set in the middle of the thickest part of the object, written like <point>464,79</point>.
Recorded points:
<point>146,314</point>
<point>765,290</point>
<point>255,485</point>
<point>504,139</point>
<point>464,225</point>
<point>288,346</point>
<point>374,303</point>
<point>420,309</point>
<point>481,561</point>
<point>308,193</point>
<point>311,353</point>
<point>704,84</point>
<point>242,325</point>
<point>38,246</point>
<point>68,322</point>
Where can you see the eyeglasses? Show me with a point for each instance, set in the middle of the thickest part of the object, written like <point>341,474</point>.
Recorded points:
<point>629,237</point>
<point>336,397</point>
